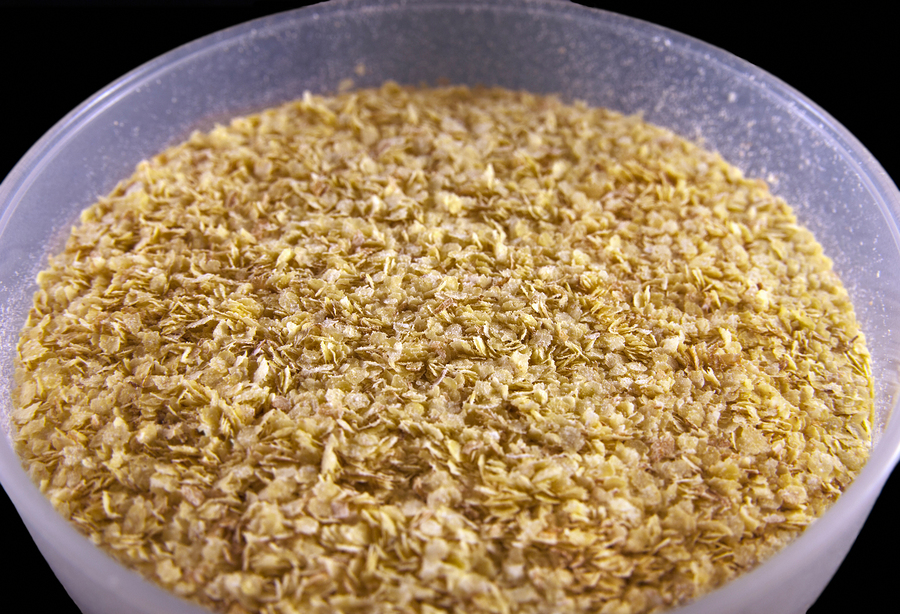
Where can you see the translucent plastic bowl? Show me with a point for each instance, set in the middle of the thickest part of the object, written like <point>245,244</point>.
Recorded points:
<point>754,120</point>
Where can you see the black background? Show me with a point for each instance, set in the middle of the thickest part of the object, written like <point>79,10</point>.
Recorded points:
<point>53,55</point>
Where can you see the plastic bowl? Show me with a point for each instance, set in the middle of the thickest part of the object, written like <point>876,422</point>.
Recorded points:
<point>754,120</point>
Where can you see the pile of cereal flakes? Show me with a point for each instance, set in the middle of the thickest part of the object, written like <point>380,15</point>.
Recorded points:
<point>433,350</point>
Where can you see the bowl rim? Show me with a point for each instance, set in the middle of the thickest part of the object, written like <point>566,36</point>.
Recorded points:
<point>860,495</point>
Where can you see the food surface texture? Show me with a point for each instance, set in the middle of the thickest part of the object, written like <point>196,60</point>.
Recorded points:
<point>441,350</point>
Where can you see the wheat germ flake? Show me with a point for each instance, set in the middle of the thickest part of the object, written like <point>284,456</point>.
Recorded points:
<point>441,350</point>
